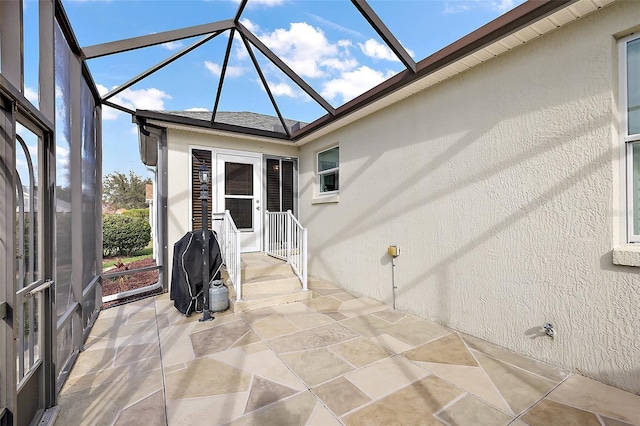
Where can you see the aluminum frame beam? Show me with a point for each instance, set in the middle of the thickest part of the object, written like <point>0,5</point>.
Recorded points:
<point>243,4</point>
<point>118,107</point>
<point>46,71</point>
<point>386,34</point>
<point>222,74</point>
<point>285,68</point>
<point>8,338</point>
<point>159,66</point>
<point>265,84</point>
<point>124,45</point>
<point>12,43</point>
<point>508,23</point>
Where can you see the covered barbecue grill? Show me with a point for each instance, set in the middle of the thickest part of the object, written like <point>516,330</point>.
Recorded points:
<point>186,277</point>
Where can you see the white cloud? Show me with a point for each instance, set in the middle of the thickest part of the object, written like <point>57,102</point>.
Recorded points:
<point>373,49</point>
<point>133,99</point>
<point>250,25</point>
<point>197,109</point>
<point>307,51</point>
<point>142,98</point>
<point>500,6</point>
<point>346,64</point>
<point>376,50</point>
<point>108,113</point>
<point>31,95</point>
<point>234,71</point>
<point>172,45</point>
<point>102,90</point>
<point>282,89</point>
<point>456,8</point>
<point>353,83</point>
<point>216,70</point>
<point>239,49</point>
<point>213,68</point>
<point>62,156</point>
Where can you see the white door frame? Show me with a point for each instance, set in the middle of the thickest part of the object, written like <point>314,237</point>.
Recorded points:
<point>250,240</point>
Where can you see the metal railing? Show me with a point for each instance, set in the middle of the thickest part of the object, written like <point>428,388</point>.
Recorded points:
<point>229,239</point>
<point>133,292</point>
<point>286,239</point>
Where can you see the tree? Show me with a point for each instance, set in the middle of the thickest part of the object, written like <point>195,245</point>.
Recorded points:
<point>124,192</point>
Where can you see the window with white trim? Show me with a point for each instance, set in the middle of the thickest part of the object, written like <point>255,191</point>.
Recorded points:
<point>630,128</point>
<point>329,171</point>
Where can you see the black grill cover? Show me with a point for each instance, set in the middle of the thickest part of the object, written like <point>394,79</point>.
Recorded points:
<point>186,277</point>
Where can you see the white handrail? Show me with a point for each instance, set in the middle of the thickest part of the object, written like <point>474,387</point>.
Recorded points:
<point>286,239</point>
<point>230,247</point>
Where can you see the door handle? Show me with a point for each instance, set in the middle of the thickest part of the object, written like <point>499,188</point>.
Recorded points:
<point>42,287</point>
<point>257,207</point>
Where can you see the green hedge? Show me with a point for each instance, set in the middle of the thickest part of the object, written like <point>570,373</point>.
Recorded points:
<point>137,213</point>
<point>123,235</point>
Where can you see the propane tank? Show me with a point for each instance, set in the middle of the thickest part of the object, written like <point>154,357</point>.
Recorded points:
<point>218,296</point>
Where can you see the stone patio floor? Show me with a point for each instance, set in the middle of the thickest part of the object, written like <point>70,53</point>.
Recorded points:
<point>335,359</point>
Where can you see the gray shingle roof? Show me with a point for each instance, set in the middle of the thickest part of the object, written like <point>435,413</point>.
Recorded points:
<point>251,120</point>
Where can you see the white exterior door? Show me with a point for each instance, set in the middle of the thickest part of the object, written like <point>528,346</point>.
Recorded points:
<point>238,189</point>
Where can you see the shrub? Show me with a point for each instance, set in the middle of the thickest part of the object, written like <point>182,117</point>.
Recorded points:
<point>137,213</point>
<point>124,234</point>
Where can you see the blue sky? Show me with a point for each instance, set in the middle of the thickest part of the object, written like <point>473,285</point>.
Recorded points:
<point>328,43</point>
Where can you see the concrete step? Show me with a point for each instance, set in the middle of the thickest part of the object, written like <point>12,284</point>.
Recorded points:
<point>259,301</point>
<point>261,268</point>
<point>271,284</point>
<point>266,282</point>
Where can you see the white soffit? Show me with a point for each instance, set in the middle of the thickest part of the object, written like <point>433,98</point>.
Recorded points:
<point>541,27</point>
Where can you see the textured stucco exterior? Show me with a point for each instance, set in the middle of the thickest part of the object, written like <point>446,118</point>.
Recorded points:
<point>179,143</point>
<point>502,187</point>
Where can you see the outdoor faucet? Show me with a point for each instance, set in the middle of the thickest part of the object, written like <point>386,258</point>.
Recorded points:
<point>549,330</point>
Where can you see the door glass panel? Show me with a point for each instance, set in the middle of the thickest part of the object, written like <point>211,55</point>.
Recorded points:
<point>29,336</point>
<point>27,244</point>
<point>27,198</point>
<point>238,179</point>
<point>241,211</point>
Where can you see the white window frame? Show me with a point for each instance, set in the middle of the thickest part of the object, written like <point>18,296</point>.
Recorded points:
<point>327,172</point>
<point>628,141</point>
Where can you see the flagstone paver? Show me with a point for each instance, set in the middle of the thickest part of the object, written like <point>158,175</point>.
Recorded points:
<point>336,359</point>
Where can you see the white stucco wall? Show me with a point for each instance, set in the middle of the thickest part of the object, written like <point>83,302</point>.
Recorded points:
<point>179,167</point>
<point>501,187</point>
